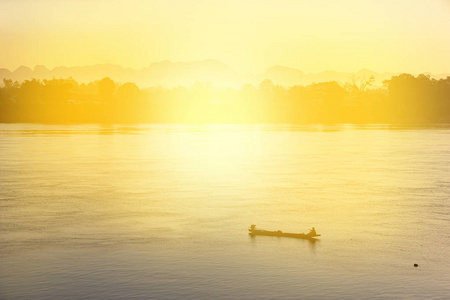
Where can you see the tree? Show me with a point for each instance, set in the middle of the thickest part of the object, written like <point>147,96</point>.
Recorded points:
<point>106,88</point>
<point>359,84</point>
<point>128,93</point>
<point>266,85</point>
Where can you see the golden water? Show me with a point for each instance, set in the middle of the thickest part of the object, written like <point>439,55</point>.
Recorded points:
<point>162,211</point>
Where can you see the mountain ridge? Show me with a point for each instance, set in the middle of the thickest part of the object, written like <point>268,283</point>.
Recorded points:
<point>169,74</point>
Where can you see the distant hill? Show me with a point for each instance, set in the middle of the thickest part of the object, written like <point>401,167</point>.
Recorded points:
<point>163,73</point>
<point>169,74</point>
<point>290,76</point>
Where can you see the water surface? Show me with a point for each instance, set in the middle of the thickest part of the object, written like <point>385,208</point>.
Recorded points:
<point>162,211</point>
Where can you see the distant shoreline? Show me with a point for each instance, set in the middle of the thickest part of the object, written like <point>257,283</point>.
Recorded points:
<point>368,125</point>
<point>403,99</point>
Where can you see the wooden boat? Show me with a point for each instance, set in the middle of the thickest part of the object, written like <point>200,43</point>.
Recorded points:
<point>310,235</point>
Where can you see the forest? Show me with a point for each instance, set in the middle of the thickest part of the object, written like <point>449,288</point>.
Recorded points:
<point>402,99</point>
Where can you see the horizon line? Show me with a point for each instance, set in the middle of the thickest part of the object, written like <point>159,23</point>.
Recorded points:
<point>218,62</point>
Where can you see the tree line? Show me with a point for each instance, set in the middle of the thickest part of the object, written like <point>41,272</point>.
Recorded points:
<point>402,99</point>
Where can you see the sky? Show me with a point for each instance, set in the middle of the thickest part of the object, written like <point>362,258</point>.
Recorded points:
<point>250,36</point>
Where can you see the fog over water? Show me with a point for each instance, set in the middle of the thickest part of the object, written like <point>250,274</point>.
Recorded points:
<point>162,211</point>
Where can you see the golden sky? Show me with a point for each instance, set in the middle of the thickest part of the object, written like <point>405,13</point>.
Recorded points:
<point>314,35</point>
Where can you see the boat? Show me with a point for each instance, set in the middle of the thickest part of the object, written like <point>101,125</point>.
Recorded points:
<point>310,235</point>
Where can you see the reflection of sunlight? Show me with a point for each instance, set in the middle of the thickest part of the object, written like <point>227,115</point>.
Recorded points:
<point>215,154</point>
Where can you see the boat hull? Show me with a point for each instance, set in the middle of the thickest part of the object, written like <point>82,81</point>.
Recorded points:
<point>282,234</point>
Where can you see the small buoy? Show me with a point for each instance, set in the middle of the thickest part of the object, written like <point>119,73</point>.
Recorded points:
<point>416,265</point>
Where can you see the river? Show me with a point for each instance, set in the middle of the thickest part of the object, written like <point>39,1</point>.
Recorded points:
<point>162,211</point>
